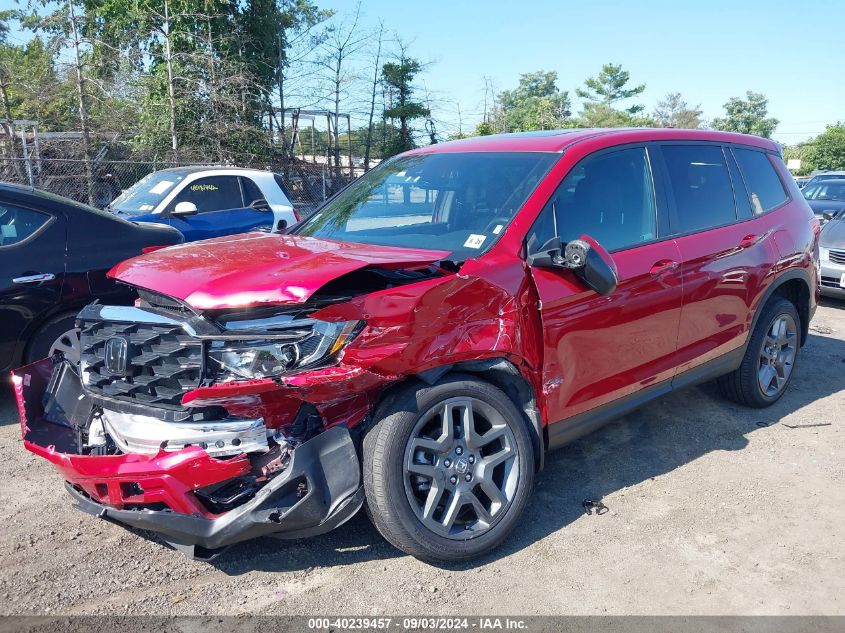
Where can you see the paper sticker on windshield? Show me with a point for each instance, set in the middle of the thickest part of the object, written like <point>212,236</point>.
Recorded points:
<point>474,241</point>
<point>161,187</point>
<point>498,229</point>
<point>146,207</point>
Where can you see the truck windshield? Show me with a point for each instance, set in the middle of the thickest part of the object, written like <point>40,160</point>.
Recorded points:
<point>146,194</point>
<point>460,202</point>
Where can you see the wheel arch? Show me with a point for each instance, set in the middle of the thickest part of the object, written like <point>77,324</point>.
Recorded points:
<point>794,286</point>
<point>42,325</point>
<point>505,375</point>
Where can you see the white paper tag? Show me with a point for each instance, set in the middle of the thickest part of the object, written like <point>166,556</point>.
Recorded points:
<point>161,187</point>
<point>842,281</point>
<point>8,230</point>
<point>146,207</point>
<point>474,241</point>
<point>498,229</point>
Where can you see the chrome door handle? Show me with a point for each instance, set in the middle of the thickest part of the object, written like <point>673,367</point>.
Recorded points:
<point>34,279</point>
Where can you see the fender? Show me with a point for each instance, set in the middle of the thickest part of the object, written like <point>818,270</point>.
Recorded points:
<point>789,275</point>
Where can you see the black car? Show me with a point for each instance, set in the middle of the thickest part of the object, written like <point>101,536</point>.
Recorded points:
<point>825,196</point>
<point>54,256</point>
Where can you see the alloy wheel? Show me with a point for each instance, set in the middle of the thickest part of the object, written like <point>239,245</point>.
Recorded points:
<point>69,345</point>
<point>777,355</point>
<point>461,468</point>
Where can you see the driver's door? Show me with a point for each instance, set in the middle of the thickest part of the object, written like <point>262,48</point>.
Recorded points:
<point>600,349</point>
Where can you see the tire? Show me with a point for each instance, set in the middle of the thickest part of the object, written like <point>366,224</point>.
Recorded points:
<point>745,384</point>
<point>60,334</point>
<point>476,487</point>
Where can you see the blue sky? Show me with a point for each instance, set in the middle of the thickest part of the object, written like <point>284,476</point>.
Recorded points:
<point>709,51</point>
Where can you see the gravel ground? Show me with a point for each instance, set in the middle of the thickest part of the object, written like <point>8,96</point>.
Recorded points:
<point>714,509</point>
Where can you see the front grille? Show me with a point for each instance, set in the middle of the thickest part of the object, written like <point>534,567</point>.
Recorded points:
<point>831,282</point>
<point>162,362</point>
<point>837,256</point>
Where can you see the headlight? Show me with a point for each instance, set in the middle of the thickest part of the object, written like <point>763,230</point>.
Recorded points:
<point>264,358</point>
<point>824,253</point>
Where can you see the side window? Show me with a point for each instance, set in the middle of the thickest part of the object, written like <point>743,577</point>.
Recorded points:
<point>214,193</point>
<point>701,186</point>
<point>764,185</point>
<point>609,197</point>
<point>17,224</point>
<point>251,191</point>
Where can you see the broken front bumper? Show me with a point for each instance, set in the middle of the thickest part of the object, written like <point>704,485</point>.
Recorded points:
<point>319,489</point>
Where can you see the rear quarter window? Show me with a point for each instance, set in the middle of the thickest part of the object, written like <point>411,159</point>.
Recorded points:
<point>762,181</point>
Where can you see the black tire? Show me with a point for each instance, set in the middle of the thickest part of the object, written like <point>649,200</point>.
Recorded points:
<point>44,339</point>
<point>384,471</point>
<point>742,385</point>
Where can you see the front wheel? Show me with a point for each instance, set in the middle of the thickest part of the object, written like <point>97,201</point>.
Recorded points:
<point>448,469</point>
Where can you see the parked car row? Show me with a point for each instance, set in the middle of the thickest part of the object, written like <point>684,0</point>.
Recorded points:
<point>422,340</point>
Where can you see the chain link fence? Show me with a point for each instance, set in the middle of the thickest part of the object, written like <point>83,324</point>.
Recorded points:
<point>98,182</point>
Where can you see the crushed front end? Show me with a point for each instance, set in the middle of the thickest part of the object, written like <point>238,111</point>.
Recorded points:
<point>179,423</point>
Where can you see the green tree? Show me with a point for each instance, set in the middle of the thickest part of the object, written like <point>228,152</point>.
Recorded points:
<point>535,104</point>
<point>673,111</point>
<point>398,79</point>
<point>826,151</point>
<point>747,116</point>
<point>609,88</point>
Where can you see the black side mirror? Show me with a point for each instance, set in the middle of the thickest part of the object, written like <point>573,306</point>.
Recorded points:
<point>585,257</point>
<point>260,205</point>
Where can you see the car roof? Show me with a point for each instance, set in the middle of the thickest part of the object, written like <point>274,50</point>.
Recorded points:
<point>192,169</point>
<point>559,140</point>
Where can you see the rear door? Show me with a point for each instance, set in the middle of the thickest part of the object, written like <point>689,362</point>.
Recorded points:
<point>599,349</point>
<point>220,209</point>
<point>726,246</point>
<point>32,270</point>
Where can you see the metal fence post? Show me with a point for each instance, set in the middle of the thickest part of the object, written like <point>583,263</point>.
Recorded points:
<point>26,159</point>
<point>324,183</point>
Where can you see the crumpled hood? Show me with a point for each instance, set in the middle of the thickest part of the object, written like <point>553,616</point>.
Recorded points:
<point>254,268</point>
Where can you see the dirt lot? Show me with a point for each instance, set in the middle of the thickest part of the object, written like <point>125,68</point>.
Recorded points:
<point>714,509</point>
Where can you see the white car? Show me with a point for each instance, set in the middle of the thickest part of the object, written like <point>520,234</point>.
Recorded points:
<point>204,202</point>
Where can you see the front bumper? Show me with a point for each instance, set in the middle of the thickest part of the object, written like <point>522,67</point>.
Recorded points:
<point>318,490</point>
<point>831,276</point>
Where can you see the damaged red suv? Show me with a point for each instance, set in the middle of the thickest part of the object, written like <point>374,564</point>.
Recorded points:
<point>422,340</point>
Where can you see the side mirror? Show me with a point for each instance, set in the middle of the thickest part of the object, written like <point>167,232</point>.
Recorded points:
<point>260,205</point>
<point>598,271</point>
<point>585,257</point>
<point>185,208</point>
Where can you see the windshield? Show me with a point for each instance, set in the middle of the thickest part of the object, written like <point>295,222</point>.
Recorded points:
<point>146,194</point>
<point>460,202</point>
<point>825,191</point>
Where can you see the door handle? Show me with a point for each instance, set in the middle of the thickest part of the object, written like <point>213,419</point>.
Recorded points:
<point>34,279</point>
<point>663,266</point>
<point>748,241</point>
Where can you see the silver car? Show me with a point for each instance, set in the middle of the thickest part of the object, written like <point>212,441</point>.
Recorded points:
<point>832,257</point>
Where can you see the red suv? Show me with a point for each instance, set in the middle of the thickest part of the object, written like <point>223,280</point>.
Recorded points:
<point>423,339</point>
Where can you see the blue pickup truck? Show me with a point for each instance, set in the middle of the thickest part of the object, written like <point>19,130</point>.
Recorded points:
<point>204,202</point>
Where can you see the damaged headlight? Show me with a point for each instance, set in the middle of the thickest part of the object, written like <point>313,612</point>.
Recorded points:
<point>264,359</point>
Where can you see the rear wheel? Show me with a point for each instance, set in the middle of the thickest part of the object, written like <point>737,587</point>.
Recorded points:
<point>448,469</point>
<point>769,359</point>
